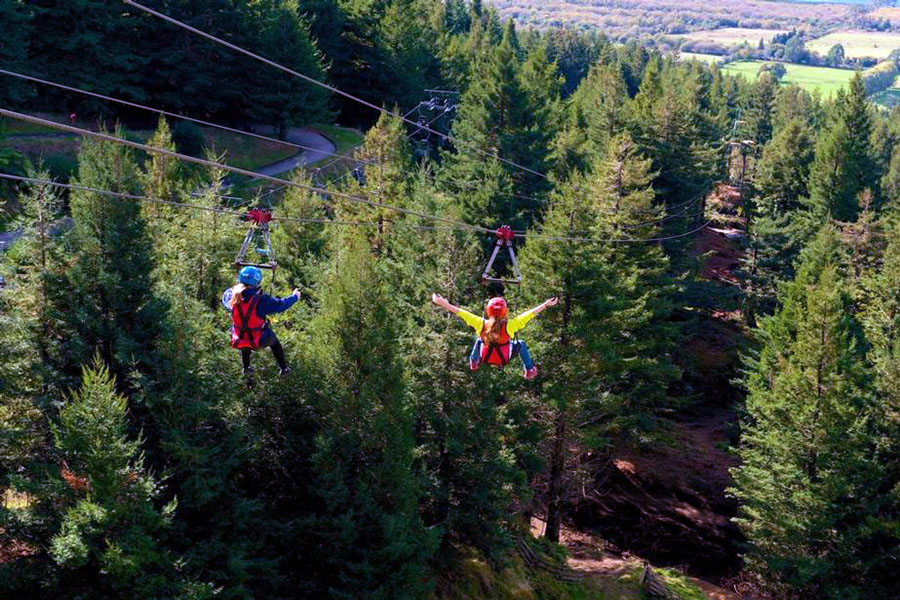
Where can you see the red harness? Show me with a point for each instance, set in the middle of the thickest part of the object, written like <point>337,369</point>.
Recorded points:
<point>246,326</point>
<point>497,352</point>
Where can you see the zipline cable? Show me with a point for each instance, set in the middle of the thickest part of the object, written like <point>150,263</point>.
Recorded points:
<point>176,115</point>
<point>326,86</point>
<point>457,224</point>
<point>208,163</point>
<point>222,211</point>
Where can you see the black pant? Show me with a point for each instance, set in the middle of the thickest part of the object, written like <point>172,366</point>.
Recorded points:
<point>277,352</point>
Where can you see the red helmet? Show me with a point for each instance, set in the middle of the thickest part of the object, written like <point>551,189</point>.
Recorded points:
<point>496,308</point>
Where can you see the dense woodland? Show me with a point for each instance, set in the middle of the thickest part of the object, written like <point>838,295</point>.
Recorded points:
<point>135,463</point>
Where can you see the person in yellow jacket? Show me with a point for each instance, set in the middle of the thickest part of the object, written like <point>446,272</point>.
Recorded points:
<point>495,344</point>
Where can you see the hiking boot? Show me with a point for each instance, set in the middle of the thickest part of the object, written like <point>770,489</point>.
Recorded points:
<point>530,373</point>
<point>284,372</point>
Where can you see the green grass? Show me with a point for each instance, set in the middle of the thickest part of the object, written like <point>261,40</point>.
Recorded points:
<point>16,127</point>
<point>732,36</point>
<point>678,583</point>
<point>343,138</point>
<point>246,152</point>
<point>707,58</point>
<point>890,97</point>
<point>825,79</point>
<point>858,44</point>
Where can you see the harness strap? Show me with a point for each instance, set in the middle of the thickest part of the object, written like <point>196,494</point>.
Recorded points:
<point>495,347</point>
<point>244,328</point>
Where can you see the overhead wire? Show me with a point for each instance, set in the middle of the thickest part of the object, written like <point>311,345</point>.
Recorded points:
<point>212,164</point>
<point>211,209</point>
<point>456,224</point>
<point>324,85</point>
<point>175,115</point>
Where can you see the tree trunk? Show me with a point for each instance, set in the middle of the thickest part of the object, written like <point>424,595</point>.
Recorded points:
<point>557,470</point>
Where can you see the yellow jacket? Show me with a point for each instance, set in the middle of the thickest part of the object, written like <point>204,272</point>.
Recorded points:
<point>512,326</point>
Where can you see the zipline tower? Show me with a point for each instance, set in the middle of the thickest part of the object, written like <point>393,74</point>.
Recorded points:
<point>436,114</point>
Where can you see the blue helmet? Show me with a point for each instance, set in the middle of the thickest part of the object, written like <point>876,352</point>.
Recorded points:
<point>250,276</point>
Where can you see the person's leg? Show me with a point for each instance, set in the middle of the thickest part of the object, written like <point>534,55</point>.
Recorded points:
<point>277,351</point>
<point>475,355</point>
<point>245,358</point>
<point>520,348</point>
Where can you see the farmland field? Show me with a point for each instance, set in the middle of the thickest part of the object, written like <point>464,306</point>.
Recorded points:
<point>732,36</point>
<point>707,58</point>
<point>858,44</point>
<point>824,79</point>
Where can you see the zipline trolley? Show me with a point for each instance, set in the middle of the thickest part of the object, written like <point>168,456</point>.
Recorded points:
<point>260,234</point>
<point>505,236</point>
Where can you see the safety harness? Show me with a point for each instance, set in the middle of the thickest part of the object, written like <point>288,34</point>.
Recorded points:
<point>246,325</point>
<point>497,352</point>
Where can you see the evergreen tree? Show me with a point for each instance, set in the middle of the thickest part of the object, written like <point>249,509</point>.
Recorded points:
<point>106,301</point>
<point>612,305</point>
<point>101,35</point>
<point>466,423</point>
<point>14,50</point>
<point>596,112</point>
<point>759,109</point>
<point>809,480</point>
<point>109,521</point>
<point>284,101</point>
<point>498,114</point>
<point>844,165</point>
<point>363,461</point>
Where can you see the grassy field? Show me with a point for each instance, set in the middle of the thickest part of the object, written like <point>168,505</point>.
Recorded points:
<point>732,36</point>
<point>824,79</point>
<point>707,58</point>
<point>343,138</point>
<point>890,97</point>
<point>858,44</point>
<point>246,152</point>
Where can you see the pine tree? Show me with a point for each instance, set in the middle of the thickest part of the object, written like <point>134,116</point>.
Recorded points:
<point>110,522</point>
<point>498,115</point>
<point>467,424</point>
<point>14,49</point>
<point>106,301</point>
<point>760,107</point>
<point>612,305</point>
<point>808,483</point>
<point>844,167</point>
<point>368,491</point>
<point>284,37</point>
<point>596,112</point>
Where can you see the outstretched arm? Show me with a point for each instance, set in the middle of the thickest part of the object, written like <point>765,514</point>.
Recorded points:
<point>520,321</point>
<point>544,305</point>
<point>442,302</point>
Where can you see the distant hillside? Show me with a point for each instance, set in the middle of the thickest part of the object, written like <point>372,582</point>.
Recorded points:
<point>630,18</point>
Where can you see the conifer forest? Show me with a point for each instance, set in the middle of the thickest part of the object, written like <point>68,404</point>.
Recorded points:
<point>694,277</point>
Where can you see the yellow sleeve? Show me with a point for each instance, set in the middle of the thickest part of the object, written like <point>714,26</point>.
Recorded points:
<point>473,321</point>
<point>519,322</point>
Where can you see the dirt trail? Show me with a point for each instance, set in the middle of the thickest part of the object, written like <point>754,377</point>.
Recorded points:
<point>588,555</point>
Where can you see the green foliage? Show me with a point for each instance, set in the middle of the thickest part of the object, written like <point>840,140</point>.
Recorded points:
<point>377,543</point>
<point>810,483</point>
<point>109,526</point>
<point>843,167</point>
<point>106,302</point>
<point>188,138</point>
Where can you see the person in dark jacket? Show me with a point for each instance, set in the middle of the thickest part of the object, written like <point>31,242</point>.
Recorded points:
<point>249,307</point>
